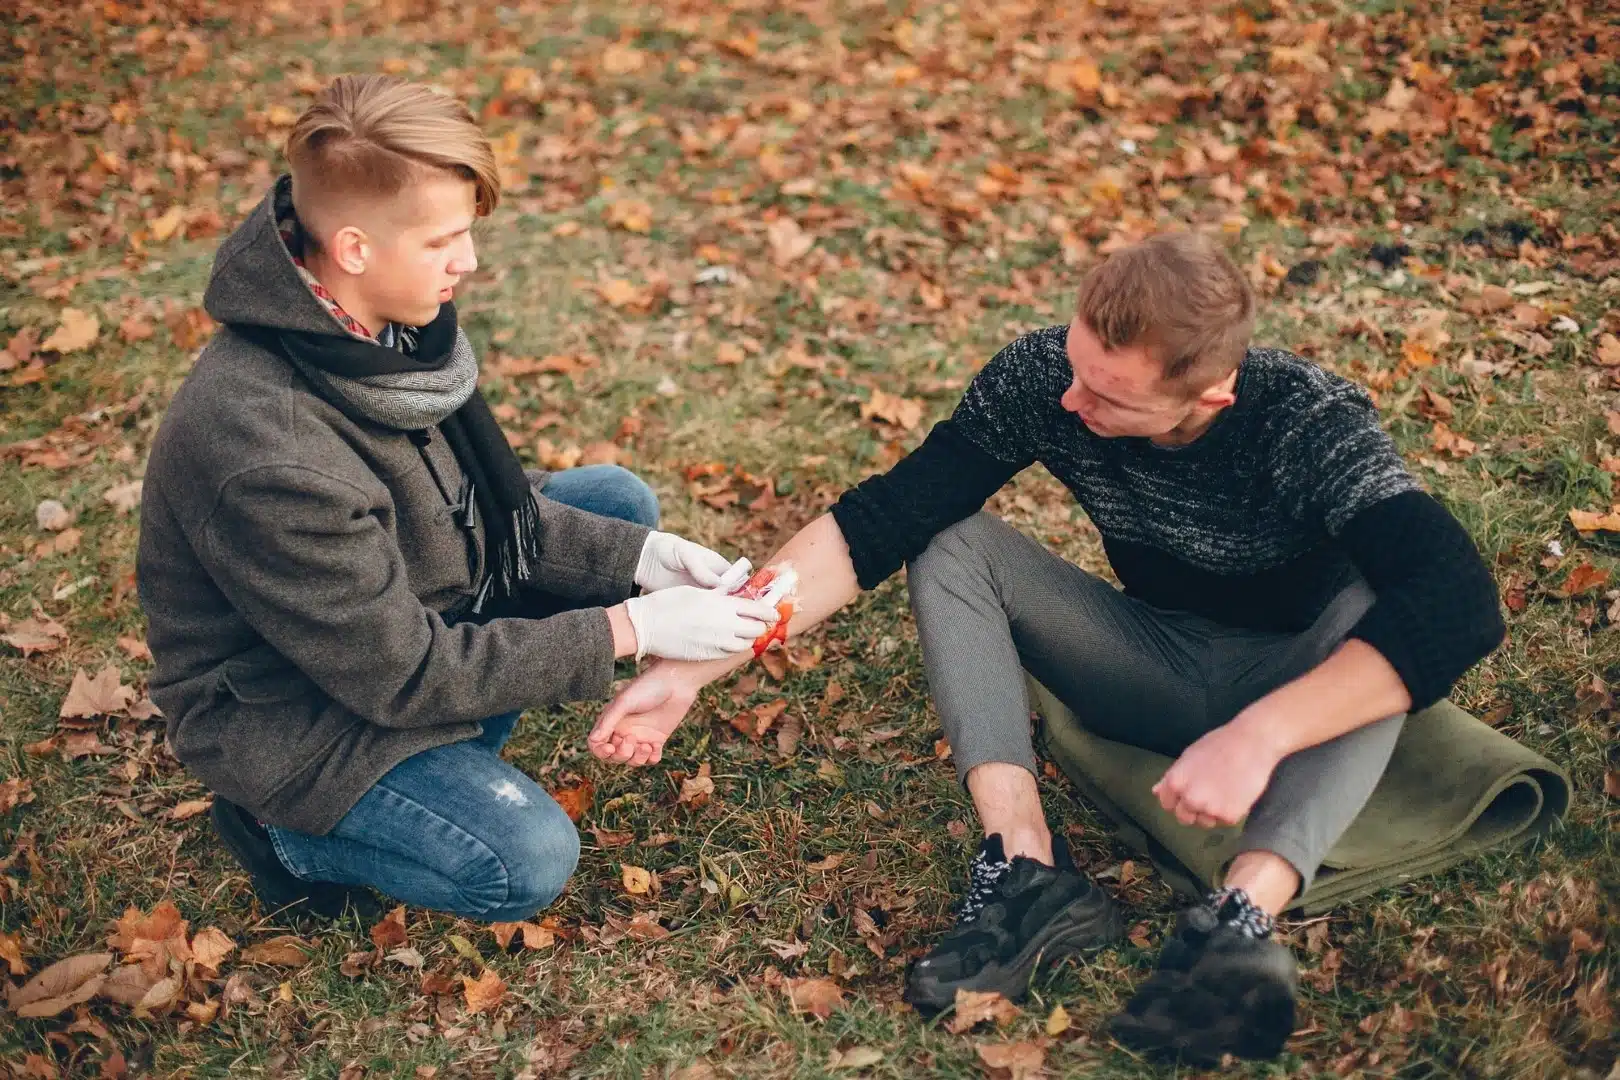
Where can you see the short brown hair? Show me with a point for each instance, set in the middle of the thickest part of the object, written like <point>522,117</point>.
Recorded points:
<point>371,135</point>
<point>1179,295</point>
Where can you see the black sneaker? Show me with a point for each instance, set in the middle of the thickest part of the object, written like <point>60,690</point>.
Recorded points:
<point>1217,990</point>
<point>276,887</point>
<point>1017,917</point>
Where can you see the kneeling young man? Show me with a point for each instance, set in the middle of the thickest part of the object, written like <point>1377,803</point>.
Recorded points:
<point>1289,595</point>
<point>352,587</point>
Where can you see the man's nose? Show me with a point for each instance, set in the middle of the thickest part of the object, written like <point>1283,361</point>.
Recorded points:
<point>1071,397</point>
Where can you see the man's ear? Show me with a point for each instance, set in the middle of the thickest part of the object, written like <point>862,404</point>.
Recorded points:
<point>1220,395</point>
<point>351,249</point>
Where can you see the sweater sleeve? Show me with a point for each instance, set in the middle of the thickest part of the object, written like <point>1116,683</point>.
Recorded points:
<point>1435,614</point>
<point>996,431</point>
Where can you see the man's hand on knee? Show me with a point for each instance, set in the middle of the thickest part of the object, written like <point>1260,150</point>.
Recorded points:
<point>1218,779</point>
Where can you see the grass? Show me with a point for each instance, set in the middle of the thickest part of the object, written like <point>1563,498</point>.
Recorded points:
<point>1502,967</point>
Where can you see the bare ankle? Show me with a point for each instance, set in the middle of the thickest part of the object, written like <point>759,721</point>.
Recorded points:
<point>1031,843</point>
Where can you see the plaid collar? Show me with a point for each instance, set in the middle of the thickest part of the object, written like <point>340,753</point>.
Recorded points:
<point>294,239</point>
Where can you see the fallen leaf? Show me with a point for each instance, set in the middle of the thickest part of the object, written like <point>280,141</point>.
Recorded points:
<point>410,956</point>
<point>78,330</point>
<point>14,792</point>
<point>389,931</point>
<point>1608,351</point>
<point>631,215</point>
<point>905,412</point>
<point>829,863</point>
<point>534,935</point>
<point>1416,354</point>
<point>35,636</point>
<point>697,790</point>
<point>133,329</point>
<point>637,881</point>
<point>59,987</point>
<point>210,947</point>
<point>818,997</point>
<point>78,744</point>
<point>974,1007</point>
<point>167,223</point>
<point>856,1057</point>
<point>1583,579</point>
<point>123,497</point>
<point>159,998</point>
<point>788,241</point>
<point>1592,521</point>
<point>465,948</point>
<point>484,992</point>
<point>607,838</point>
<point>729,354</point>
<point>202,1012</point>
<point>127,985</point>
<point>135,649</point>
<point>646,927</point>
<point>1611,783</point>
<point>190,809</point>
<point>787,950</point>
<point>286,950</point>
<point>576,799</point>
<point>11,953</point>
<point>103,695</point>
<point>1015,1060</point>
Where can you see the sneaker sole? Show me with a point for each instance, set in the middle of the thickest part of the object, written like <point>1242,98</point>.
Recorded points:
<point>1080,928</point>
<point>1238,1005</point>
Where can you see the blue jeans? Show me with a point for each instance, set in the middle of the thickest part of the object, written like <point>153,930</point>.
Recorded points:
<point>456,828</point>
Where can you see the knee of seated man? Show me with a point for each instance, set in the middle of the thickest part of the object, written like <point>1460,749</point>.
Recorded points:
<point>963,542</point>
<point>538,858</point>
<point>628,497</point>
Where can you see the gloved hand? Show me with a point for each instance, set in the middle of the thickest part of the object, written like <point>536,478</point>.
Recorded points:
<point>688,623</point>
<point>668,560</point>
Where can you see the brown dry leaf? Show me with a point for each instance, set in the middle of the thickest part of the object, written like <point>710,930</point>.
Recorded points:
<point>1611,783</point>
<point>646,927</point>
<point>14,792</point>
<point>127,985</point>
<point>484,992</point>
<point>1607,352</point>
<point>600,452</point>
<point>621,59</point>
<point>160,998</point>
<point>729,354</point>
<point>1416,354</point>
<point>11,953</point>
<point>136,649</point>
<point>210,947</point>
<point>168,223</point>
<point>78,744</point>
<point>51,516</point>
<point>1446,441</point>
<point>637,881</point>
<point>631,215</point>
<point>1583,579</point>
<point>287,950</point>
<point>123,497</point>
<point>59,987</point>
<point>190,809</point>
<point>35,636</point>
<point>103,695</point>
<point>1013,1061</point>
<point>607,838</point>
<point>78,330</point>
<point>818,997</point>
<point>974,1007</point>
<point>904,412</point>
<point>389,932</point>
<point>202,1012</point>
<point>152,939</point>
<point>697,790</point>
<point>576,799</point>
<point>133,329</point>
<point>788,241</point>
<point>1595,521</point>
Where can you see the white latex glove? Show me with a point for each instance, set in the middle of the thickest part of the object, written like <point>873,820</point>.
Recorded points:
<point>668,560</point>
<point>688,623</point>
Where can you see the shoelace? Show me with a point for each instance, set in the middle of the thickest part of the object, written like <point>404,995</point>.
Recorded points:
<point>1234,907</point>
<point>983,877</point>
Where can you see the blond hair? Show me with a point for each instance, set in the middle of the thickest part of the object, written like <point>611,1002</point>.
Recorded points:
<point>369,136</point>
<point>1180,296</point>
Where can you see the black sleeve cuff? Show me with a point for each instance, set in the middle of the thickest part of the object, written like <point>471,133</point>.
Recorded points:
<point>890,518</point>
<point>1436,613</point>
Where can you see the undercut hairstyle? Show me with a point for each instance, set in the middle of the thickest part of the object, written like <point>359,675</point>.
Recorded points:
<point>1180,296</point>
<point>371,136</point>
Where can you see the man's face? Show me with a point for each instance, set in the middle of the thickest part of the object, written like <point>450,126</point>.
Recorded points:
<point>1121,392</point>
<point>421,247</point>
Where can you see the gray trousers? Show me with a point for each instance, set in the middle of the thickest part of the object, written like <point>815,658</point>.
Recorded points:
<point>990,602</point>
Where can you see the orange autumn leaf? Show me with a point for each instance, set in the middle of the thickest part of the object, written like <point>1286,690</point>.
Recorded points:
<point>389,931</point>
<point>484,992</point>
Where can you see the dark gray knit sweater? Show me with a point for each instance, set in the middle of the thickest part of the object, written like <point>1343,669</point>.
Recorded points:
<point>1258,523</point>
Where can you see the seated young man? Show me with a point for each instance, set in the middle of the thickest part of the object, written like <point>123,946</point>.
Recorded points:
<point>352,587</point>
<point>1289,595</point>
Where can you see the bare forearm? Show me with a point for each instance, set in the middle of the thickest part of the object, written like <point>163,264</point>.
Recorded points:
<point>1352,688</point>
<point>826,583</point>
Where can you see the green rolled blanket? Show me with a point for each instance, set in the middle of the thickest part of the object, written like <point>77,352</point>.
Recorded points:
<point>1455,787</point>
